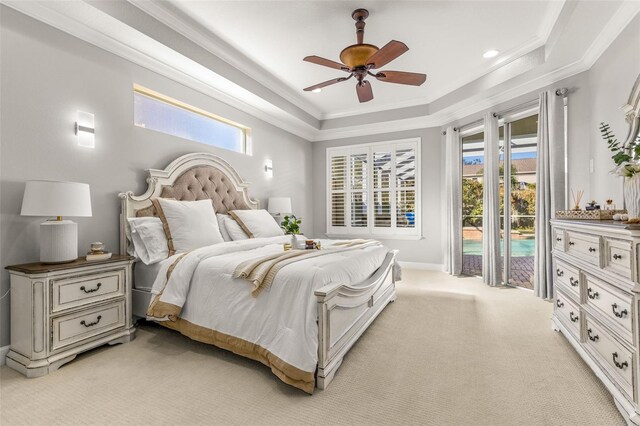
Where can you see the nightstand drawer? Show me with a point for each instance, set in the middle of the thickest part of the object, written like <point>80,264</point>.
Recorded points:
<point>73,328</point>
<point>77,291</point>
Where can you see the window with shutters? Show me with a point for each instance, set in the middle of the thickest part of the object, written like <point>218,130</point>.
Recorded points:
<point>373,189</point>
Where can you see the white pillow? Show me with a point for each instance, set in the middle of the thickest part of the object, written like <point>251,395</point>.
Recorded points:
<point>257,223</point>
<point>188,225</point>
<point>233,229</point>
<point>222,227</point>
<point>149,240</point>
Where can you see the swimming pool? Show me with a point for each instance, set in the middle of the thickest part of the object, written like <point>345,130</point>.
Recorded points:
<point>518,247</point>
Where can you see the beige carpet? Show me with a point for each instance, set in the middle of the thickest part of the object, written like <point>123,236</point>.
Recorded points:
<point>448,351</point>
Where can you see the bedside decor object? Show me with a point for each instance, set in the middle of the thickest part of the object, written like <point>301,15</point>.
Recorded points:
<point>58,238</point>
<point>291,226</point>
<point>59,311</point>
<point>587,214</point>
<point>279,206</point>
<point>593,205</point>
<point>97,252</point>
<point>609,205</point>
<point>577,196</point>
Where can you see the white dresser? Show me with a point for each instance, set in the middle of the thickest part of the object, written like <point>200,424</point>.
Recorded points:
<point>58,311</point>
<point>596,301</point>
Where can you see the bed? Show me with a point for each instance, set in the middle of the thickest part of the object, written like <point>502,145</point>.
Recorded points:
<point>302,325</point>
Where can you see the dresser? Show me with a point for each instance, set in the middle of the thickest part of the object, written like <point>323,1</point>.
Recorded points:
<point>596,277</point>
<point>58,311</point>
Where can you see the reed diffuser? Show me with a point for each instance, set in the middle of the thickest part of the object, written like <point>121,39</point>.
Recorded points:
<point>577,197</point>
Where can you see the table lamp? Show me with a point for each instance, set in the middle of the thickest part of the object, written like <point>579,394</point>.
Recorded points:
<point>279,206</point>
<point>58,238</point>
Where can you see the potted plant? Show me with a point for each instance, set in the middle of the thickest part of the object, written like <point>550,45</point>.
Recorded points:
<point>627,165</point>
<point>291,226</point>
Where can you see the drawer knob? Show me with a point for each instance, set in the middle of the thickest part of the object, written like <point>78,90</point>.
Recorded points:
<point>573,282</point>
<point>593,338</point>
<point>91,324</point>
<point>559,272</point>
<point>622,365</point>
<point>91,290</point>
<point>591,249</point>
<point>558,239</point>
<point>592,295</point>
<point>573,318</point>
<point>559,304</point>
<point>617,256</point>
<point>620,314</point>
<point>571,243</point>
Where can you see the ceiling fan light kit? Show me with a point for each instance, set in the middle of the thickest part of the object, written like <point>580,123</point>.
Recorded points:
<point>360,58</point>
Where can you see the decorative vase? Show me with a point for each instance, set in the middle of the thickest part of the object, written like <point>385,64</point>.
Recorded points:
<point>294,241</point>
<point>632,195</point>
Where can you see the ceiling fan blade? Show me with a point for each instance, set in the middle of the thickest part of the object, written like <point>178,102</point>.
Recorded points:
<point>365,94</point>
<point>326,63</point>
<point>326,83</point>
<point>388,53</point>
<point>401,77</point>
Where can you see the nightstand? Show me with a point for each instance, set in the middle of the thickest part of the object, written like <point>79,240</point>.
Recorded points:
<point>60,310</point>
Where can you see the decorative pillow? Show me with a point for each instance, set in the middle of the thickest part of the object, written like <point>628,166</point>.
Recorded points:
<point>149,240</point>
<point>233,229</point>
<point>188,225</point>
<point>257,223</point>
<point>223,229</point>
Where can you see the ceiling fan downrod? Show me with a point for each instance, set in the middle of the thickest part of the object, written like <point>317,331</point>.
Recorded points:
<point>359,15</point>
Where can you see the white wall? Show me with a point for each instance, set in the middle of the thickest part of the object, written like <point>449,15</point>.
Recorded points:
<point>46,76</point>
<point>427,250</point>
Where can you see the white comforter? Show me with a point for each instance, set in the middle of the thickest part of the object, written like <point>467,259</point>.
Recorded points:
<point>282,319</point>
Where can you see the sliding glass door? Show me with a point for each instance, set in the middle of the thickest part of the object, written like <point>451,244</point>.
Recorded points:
<point>472,191</point>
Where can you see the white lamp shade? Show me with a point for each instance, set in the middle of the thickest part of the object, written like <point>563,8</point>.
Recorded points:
<point>51,198</point>
<point>279,205</point>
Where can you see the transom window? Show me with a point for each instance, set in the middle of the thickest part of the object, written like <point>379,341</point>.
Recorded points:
<point>374,189</point>
<point>163,114</point>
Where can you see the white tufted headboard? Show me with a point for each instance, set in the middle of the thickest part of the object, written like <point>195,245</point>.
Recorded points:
<point>197,176</point>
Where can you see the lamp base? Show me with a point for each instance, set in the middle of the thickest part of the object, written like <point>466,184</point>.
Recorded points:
<point>58,241</point>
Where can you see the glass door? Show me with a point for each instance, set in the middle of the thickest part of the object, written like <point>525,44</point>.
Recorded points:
<point>472,192</point>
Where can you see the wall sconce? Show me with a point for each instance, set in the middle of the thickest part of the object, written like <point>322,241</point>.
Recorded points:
<point>85,130</point>
<point>268,168</point>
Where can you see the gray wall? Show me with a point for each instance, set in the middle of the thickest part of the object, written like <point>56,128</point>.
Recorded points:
<point>46,76</point>
<point>427,250</point>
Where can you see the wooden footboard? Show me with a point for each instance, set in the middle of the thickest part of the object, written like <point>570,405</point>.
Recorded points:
<point>345,312</point>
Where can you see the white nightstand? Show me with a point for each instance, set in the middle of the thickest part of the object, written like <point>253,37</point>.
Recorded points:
<point>58,311</point>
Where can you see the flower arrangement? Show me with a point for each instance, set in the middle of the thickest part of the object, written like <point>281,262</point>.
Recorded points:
<point>291,225</point>
<point>626,157</point>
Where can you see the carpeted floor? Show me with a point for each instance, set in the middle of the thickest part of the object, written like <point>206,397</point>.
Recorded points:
<point>449,351</point>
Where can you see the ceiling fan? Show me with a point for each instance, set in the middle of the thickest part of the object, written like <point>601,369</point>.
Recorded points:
<point>359,59</point>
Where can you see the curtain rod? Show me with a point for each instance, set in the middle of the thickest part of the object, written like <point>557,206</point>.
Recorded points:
<point>523,106</point>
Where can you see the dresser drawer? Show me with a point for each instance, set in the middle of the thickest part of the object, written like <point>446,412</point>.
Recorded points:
<point>558,239</point>
<point>568,312</point>
<point>73,328</point>
<point>583,246</point>
<point>618,257</point>
<point>615,305</point>
<point>612,355</point>
<point>77,291</point>
<point>569,277</point>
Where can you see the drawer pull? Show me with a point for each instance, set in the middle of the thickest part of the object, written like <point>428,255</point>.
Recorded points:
<point>591,249</point>
<point>558,239</point>
<point>622,365</point>
<point>559,304</point>
<point>573,318</point>
<point>91,324</point>
<point>593,338</point>
<point>593,295</point>
<point>91,290</point>
<point>559,272</point>
<point>573,282</point>
<point>617,256</point>
<point>571,243</point>
<point>620,314</point>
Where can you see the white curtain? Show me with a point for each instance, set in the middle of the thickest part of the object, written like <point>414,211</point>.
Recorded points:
<point>491,204</point>
<point>453,204</point>
<point>549,187</point>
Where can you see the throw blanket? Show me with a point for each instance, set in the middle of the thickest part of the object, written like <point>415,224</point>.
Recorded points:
<point>262,271</point>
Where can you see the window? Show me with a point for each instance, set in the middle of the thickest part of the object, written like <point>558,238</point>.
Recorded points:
<point>374,189</point>
<point>163,114</point>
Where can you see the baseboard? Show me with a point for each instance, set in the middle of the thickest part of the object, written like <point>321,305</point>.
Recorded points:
<point>422,266</point>
<point>3,354</point>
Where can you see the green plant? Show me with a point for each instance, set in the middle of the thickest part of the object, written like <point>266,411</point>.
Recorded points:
<point>291,224</point>
<point>625,157</point>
